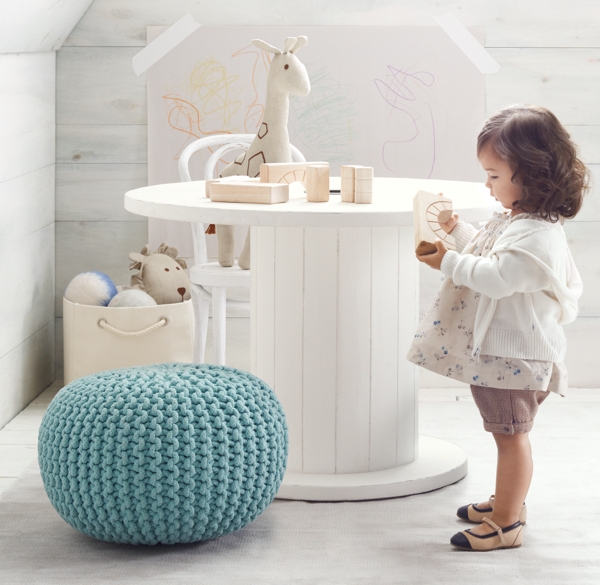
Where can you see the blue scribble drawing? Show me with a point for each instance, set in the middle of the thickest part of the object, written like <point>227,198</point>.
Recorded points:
<point>324,121</point>
<point>414,115</point>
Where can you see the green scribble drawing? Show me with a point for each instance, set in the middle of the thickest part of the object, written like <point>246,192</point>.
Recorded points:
<point>324,121</point>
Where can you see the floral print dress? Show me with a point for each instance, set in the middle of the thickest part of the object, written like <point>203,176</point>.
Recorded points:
<point>444,339</point>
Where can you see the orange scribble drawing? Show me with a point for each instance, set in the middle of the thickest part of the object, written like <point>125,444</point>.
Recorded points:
<point>255,110</point>
<point>209,99</point>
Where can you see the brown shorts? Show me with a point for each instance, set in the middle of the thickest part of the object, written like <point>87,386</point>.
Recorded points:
<point>507,411</point>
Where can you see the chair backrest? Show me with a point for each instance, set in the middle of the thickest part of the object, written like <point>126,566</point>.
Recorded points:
<point>227,142</point>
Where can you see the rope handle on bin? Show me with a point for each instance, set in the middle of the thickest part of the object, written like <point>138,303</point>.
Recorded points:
<point>161,323</point>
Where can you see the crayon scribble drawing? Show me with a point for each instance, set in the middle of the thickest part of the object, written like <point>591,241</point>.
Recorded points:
<point>210,100</point>
<point>323,122</point>
<point>415,119</point>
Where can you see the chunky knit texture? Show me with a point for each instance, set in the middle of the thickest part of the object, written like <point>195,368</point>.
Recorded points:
<point>165,454</point>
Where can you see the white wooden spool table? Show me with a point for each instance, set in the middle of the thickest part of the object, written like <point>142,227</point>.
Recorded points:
<point>334,307</point>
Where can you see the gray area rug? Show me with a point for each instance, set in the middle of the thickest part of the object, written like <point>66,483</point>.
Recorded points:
<point>402,540</point>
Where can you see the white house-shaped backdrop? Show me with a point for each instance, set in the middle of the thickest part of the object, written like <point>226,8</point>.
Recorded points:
<point>404,100</point>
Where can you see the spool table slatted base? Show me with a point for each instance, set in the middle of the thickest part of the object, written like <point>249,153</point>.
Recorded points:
<point>333,313</point>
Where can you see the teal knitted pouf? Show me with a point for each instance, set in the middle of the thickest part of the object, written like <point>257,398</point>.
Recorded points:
<point>165,454</point>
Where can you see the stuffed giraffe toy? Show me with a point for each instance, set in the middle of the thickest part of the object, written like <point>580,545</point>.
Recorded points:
<point>287,75</point>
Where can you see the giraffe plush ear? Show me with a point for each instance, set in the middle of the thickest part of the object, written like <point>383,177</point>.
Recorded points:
<point>288,44</point>
<point>265,46</point>
<point>300,42</point>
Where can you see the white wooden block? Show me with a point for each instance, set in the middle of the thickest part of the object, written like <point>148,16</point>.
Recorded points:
<point>319,348</point>
<point>27,99</point>
<point>363,185</point>
<point>353,343</point>
<point>246,192</point>
<point>83,246</point>
<point>25,371</point>
<point>363,197</point>
<point>26,152</point>
<point>347,181</point>
<point>28,303</point>
<point>289,321</point>
<point>232,179</point>
<point>286,172</point>
<point>427,209</point>
<point>361,173</point>
<point>95,85</point>
<point>38,25</point>
<point>27,204</point>
<point>107,143</point>
<point>92,192</point>
<point>317,184</point>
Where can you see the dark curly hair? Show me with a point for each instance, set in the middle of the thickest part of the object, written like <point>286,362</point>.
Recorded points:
<point>539,151</point>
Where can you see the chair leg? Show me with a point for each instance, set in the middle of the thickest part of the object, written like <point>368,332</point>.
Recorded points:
<point>219,306</point>
<point>201,314</point>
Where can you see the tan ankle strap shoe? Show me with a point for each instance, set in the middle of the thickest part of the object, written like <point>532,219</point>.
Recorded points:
<point>472,513</point>
<point>509,537</point>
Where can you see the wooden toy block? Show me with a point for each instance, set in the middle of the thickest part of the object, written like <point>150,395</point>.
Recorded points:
<point>363,172</point>
<point>317,183</point>
<point>249,192</point>
<point>347,183</point>
<point>363,197</point>
<point>232,179</point>
<point>286,172</point>
<point>429,210</point>
<point>363,185</point>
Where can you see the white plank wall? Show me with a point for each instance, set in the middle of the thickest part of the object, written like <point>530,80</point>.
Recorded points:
<point>549,52</point>
<point>27,239</point>
<point>38,25</point>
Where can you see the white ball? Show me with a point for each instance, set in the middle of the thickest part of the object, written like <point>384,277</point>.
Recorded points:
<point>132,298</point>
<point>91,288</point>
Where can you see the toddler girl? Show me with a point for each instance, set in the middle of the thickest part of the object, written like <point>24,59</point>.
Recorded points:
<point>496,322</point>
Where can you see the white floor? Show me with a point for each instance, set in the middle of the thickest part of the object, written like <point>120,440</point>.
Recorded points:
<point>400,540</point>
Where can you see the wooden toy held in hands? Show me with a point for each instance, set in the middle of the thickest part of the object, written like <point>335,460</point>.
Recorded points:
<point>429,211</point>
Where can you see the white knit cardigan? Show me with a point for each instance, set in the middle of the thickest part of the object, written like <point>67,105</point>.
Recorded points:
<point>529,288</point>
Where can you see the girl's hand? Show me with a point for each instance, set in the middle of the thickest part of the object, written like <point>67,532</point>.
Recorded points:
<point>434,260</point>
<point>448,226</point>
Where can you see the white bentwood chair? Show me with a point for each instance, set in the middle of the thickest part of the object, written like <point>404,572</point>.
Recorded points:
<point>209,279</point>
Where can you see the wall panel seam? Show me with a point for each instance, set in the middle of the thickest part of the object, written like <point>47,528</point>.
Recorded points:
<point>28,337</point>
<point>27,235</point>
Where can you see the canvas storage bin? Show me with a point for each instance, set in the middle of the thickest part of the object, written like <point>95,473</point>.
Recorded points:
<point>105,338</point>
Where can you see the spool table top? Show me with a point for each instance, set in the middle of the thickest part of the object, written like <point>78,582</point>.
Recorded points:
<point>392,205</point>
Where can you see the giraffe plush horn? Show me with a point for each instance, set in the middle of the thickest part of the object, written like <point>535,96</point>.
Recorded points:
<point>300,42</point>
<point>265,46</point>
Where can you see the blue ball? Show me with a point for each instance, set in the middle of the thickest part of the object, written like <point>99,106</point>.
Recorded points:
<point>91,288</point>
<point>170,453</point>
